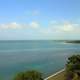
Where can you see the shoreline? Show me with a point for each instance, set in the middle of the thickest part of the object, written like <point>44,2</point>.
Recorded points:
<point>54,74</point>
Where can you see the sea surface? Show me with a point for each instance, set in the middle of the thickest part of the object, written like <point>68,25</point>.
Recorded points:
<point>46,56</point>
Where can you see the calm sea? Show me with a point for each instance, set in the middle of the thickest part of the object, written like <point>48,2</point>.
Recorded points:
<point>44,56</point>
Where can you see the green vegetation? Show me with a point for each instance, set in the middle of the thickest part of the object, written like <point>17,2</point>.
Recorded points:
<point>29,75</point>
<point>73,68</point>
<point>73,41</point>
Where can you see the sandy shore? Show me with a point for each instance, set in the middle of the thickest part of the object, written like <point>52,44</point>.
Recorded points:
<point>54,74</point>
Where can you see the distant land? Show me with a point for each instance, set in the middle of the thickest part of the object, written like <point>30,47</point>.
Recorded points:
<point>73,41</point>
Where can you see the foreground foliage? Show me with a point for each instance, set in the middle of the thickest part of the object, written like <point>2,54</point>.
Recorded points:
<point>73,68</point>
<point>29,75</point>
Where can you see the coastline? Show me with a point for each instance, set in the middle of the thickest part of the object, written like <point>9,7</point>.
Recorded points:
<point>54,74</point>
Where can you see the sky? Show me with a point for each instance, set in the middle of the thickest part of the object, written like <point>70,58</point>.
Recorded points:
<point>39,19</point>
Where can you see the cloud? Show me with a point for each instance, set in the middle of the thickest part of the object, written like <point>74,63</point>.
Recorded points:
<point>70,27</point>
<point>14,26</point>
<point>34,29</point>
<point>34,25</point>
<point>52,28</point>
<point>65,27</point>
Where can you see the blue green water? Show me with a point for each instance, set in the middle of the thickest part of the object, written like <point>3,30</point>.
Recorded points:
<point>44,56</point>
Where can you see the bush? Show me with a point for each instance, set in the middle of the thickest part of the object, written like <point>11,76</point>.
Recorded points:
<point>73,67</point>
<point>29,75</point>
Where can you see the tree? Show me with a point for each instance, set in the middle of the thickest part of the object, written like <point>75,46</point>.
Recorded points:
<point>73,67</point>
<point>29,75</point>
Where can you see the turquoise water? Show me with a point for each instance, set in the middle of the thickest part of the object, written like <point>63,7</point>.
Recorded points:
<point>44,56</point>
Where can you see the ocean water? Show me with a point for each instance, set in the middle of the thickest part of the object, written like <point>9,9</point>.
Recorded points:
<point>44,56</point>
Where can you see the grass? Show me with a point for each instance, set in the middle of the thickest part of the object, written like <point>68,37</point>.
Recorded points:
<point>60,76</point>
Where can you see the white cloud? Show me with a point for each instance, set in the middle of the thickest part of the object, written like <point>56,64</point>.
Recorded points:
<point>65,27</point>
<point>14,25</point>
<point>54,30</point>
<point>51,29</point>
<point>34,25</point>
